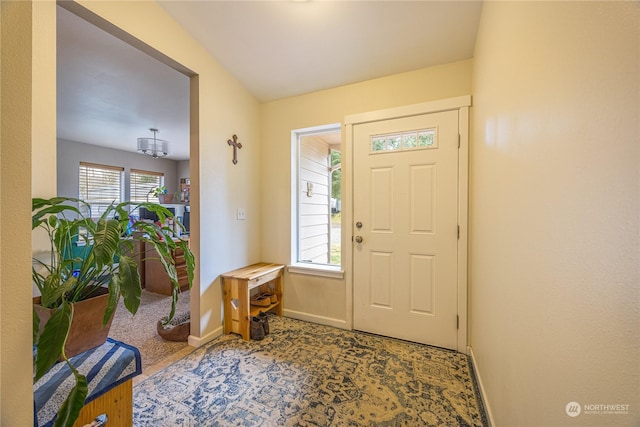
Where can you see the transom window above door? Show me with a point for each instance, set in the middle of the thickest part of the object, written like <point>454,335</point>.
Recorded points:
<point>407,140</point>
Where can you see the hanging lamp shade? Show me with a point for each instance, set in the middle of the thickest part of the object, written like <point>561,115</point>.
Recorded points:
<point>153,147</point>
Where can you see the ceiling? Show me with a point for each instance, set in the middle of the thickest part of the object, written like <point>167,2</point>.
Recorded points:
<point>110,93</point>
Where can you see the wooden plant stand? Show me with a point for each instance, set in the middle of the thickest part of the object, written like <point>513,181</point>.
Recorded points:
<point>237,291</point>
<point>117,403</point>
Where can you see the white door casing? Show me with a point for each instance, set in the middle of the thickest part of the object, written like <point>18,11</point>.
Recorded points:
<point>409,271</point>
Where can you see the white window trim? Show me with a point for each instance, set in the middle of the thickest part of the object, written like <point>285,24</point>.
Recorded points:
<point>295,267</point>
<point>320,270</point>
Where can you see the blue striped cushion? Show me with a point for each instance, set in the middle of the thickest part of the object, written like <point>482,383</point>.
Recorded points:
<point>105,367</point>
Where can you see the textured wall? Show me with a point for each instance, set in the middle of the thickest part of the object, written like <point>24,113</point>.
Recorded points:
<point>555,210</point>
<point>16,389</point>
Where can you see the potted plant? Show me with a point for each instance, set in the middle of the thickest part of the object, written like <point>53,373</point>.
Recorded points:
<point>162,194</point>
<point>91,257</point>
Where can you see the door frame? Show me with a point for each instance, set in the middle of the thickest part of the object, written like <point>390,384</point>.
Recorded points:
<point>460,104</point>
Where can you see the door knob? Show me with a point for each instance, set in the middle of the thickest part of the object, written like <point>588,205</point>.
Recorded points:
<point>358,225</point>
<point>358,239</point>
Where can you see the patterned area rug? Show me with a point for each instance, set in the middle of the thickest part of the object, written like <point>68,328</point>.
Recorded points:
<point>304,374</point>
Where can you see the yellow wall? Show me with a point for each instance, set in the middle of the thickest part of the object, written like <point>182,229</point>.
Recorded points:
<point>312,298</point>
<point>43,183</point>
<point>16,406</point>
<point>44,88</point>
<point>555,209</point>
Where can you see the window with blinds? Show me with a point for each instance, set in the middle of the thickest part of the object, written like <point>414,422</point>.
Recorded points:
<point>142,182</point>
<point>100,186</point>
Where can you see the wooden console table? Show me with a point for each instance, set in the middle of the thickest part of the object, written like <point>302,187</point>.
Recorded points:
<point>237,293</point>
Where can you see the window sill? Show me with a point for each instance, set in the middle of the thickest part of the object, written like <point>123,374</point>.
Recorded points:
<point>317,270</point>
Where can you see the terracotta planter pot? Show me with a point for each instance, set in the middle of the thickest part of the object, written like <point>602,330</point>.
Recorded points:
<point>165,198</point>
<point>86,330</point>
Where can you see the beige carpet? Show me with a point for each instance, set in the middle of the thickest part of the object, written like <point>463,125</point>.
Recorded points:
<point>140,330</point>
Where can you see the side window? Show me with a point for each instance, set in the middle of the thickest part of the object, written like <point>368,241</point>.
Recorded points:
<point>100,186</point>
<point>336,206</point>
<point>142,183</point>
<point>316,196</point>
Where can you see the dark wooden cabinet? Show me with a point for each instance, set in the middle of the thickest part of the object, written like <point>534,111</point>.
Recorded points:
<point>156,279</point>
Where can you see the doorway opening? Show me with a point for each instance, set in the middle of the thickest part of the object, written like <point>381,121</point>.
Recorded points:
<point>110,81</point>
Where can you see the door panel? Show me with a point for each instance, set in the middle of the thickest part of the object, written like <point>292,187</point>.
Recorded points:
<point>422,283</point>
<point>382,200</point>
<point>422,202</point>
<point>381,291</point>
<point>405,196</point>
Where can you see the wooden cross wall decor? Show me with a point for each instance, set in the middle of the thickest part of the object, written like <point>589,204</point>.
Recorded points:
<point>236,145</point>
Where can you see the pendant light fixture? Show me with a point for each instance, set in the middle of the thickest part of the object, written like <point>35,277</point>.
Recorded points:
<point>152,146</point>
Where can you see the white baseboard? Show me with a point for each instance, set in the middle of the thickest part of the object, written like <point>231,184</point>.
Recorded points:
<point>195,341</point>
<point>327,321</point>
<point>483,394</point>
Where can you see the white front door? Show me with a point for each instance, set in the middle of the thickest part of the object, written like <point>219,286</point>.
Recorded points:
<point>405,193</point>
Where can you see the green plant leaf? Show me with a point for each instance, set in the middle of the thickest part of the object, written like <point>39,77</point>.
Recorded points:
<point>51,284</point>
<point>129,278</point>
<point>163,249</point>
<point>126,246</point>
<point>54,290</point>
<point>52,339</point>
<point>42,208</point>
<point>174,293</point>
<point>123,213</point>
<point>52,220</point>
<point>162,212</point>
<point>114,296</point>
<point>106,238</point>
<point>40,216</point>
<point>38,203</point>
<point>70,409</point>
<point>189,260</point>
<point>62,238</point>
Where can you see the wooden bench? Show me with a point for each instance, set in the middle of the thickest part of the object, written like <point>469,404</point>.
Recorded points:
<point>238,285</point>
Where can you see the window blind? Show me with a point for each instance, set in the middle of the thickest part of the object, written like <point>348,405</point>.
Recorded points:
<point>142,182</point>
<point>100,186</point>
